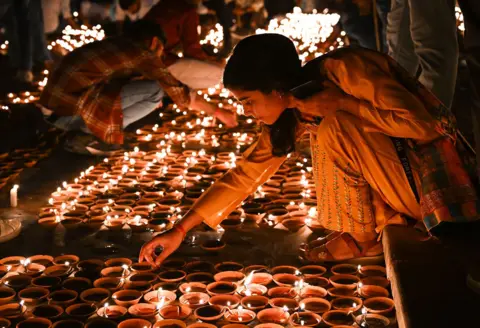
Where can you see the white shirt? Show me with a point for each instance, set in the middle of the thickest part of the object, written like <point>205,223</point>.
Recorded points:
<point>52,9</point>
<point>145,6</point>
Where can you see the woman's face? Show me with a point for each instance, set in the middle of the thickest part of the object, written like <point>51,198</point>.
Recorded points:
<point>266,108</point>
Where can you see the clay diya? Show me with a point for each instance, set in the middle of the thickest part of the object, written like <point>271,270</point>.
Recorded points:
<point>159,225</point>
<point>4,323</point>
<point>142,267</point>
<point>135,323</point>
<point>118,262</point>
<point>273,315</point>
<point>81,311</point>
<point>285,279</point>
<point>12,261</point>
<point>344,280</point>
<point>69,323</point>
<point>221,288</point>
<point>115,272</point>
<point>340,291</point>
<point>33,295</point>
<point>379,305</point>
<point>315,305</point>
<point>372,320</point>
<point>163,297</point>
<point>286,292</point>
<point>71,223</point>
<point>267,325</point>
<point>235,325</point>
<point>284,269</point>
<point>252,289</point>
<point>62,297</point>
<point>231,223</point>
<point>305,319</point>
<point>49,222</point>
<point>200,266</point>
<point>91,265</point>
<point>127,297</point>
<point>201,325</point>
<point>316,281</point>
<point>170,286</point>
<point>143,277</point>
<point>169,323</point>
<point>35,323</point>
<point>101,323</point>
<point>231,276</point>
<point>254,303</point>
<point>60,271</point>
<point>67,260</point>
<point>213,245</point>
<point>368,291</point>
<point>239,315</point>
<point>375,281</point>
<point>256,268</point>
<point>141,286</point>
<point>313,291</point>
<point>372,270</point>
<point>97,296</point>
<point>114,312</point>
<point>261,278</point>
<point>209,312</point>
<point>172,276</point>
<point>13,311</point>
<point>6,295</point>
<point>144,311</point>
<point>194,300</point>
<point>192,287</point>
<point>287,304</point>
<point>228,266</point>
<point>17,282</point>
<point>312,270</point>
<point>33,269</point>
<point>77,284</point>
<point>112,284</point>
<point>344,268</point>
<point>293,224</point>
<point>230,301</point>
<point>51,312</point>
<point>179,312</point>
<point>46,282</point>
<point>173,264</point>
<point>349,304</point>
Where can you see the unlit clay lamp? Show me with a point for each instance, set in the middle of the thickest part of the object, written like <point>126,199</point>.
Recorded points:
<point>209,312</point>
<point>135,323</point>
<point>127,297</point>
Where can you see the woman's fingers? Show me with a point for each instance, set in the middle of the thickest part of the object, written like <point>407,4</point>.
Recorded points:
<point>163,255</point>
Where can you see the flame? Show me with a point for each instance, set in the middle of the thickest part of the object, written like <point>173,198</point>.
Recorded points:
<point>249,278</point>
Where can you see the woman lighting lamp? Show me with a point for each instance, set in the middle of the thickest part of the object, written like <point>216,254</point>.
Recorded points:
<point>360,100</point>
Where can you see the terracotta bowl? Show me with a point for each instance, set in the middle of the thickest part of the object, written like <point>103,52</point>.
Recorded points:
<point>221,288</point>
<point>213,245</point>
<point>6,295</point>
<point>231,276</point>
<point>312,270</point>
<point>284,269</point>
<point>229,266</point>
<point>163,285</point>
<point>172,276</point>
<point>144,311</point>
<point>101,323</point>
<point>257,268</point>
<point>194,300</point>
<point>293,224</point>
<point>113,312</point>
<point>344,280</point>
<point>235,325</point>
<point>13,261</point>
<point>368,291</point>
<point>209,312</point>
<point>171,323</point>
<point>68,323</point>
<point>135,323</point>
<point>91,265</point>
<point>35,322</point>
<point>284,303</point>
<point>142,267</point>
<point>375,281</point>
<point>199,266</point>
<point>51,312</point>
<point>61,271</point>
<point>316,305</point>
<point>344,269</point>
<point>81,311</point>
<point>127,297</point>
<point>149,277</point>
<point>379,305</point>
<point>254,303</point>
<point>239,316</point>
<point>374,320</point>
<point>192,287</point>
<point>201,325</point>
<point>287,292</point>
<point>313,291</point>
<point>173,264</point>
<point>96,296</point>
<point>337,317</point>
<point>305,319</point>
<point>165,295</point>
<point>114,272</point>
<point>230,301</point>
<point>285,279</point>
<point>317,281</point>
<point>63,259</point>
<point>34,269</point>
<point>252,289</point>
<point>5,323</point>
<point>373,270</point>
<point>17,282</point>
<point>268,325</point>
<point>178,312</point>
<point>141,286</point>
<point>349,304</point>
<point>120,261</point>
<point>63,297</point>
<point>12,311</point>
<point>33,295</point>
<point>47,282</point>
<point>273,315</point>
<point>340,291</point>
<point>261,278</point>
<point>77,284</point>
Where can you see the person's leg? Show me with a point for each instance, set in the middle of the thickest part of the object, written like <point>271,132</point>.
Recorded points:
<point>139,98</point>
<point>196,74</point>
<point>399,39</point>
<point>358,27</point>
<point>40,51</point>
<point>383,8</point>
<point>434,33</point>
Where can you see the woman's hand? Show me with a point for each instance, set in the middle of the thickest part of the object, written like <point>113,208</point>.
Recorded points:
<point>227,117</point>
<point>169,241</point>
<point>199,104</point>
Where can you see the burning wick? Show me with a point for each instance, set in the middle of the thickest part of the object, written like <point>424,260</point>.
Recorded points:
<point>105,308</point>
<point>124,272</point>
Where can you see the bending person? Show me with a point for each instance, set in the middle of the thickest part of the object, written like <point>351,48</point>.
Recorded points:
<point>361,185</point>
<point>103,87</point>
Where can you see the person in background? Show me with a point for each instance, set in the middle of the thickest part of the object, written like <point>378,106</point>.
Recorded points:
<point>94,12</point>
<point>279,7</point>
<point>179,20</point>
<point>52,11</point>
<point>103,87</point>
<point>133,9</point>
<point>422,34</point>
<point>224,13</point>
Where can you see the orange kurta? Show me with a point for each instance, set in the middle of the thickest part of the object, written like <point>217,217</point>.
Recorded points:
<point>361,185</point>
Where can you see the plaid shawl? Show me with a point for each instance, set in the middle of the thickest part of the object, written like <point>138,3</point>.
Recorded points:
<point>88,82</point>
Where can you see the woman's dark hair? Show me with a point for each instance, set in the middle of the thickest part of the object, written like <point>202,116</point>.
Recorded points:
<point>144,30</point>
<point>268,62</point>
